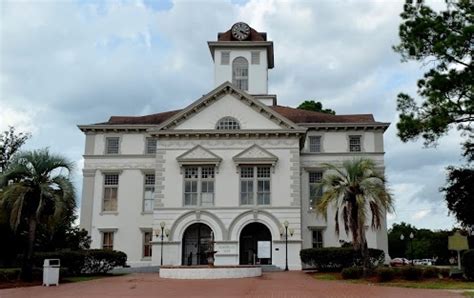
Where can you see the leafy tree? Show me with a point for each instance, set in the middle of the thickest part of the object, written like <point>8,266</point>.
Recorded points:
<point>356,190</point>
<point>426,243</point>
<point>10,143</point>
<point>40,192</point>
<point>442,40</point>
<point>311,105</point>
<point>460,194</point>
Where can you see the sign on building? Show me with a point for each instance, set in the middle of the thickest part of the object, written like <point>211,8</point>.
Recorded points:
<point>264,250</point>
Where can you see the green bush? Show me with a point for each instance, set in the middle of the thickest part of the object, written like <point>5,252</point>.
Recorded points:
<point>468,263</point>
<point>99,261</point>
<point>93,261</point>
<point>444,272</point>
<point>430,272</point>
<point>411,273</point>
<point>337,258</point>
<point>385,274</point>
<point>72,260</point>
<point>355,272</point>
<point>9,274</point>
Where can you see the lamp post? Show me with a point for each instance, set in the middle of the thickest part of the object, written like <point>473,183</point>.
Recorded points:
<point>285,230</point>
<point>411,246</point>
<point>402,237</point>
<point>162,233</point>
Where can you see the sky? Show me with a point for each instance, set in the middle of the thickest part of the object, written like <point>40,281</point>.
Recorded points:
<point>64,63</point>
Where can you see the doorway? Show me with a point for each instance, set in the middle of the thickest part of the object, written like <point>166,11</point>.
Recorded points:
<point>195,244</point>
<point>251,235</point>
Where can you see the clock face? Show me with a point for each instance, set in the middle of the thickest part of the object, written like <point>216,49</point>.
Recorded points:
<point>240,31</point>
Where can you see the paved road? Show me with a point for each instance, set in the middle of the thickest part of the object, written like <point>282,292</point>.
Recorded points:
<point>277,284</point>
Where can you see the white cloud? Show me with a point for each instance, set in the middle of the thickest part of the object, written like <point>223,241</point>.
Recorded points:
<point>421,214</point>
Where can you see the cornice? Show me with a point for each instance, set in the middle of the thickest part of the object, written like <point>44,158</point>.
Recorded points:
<point>117,156</point>
<point>225,134</point>
<point>129,128</point>
<point>346,126</point>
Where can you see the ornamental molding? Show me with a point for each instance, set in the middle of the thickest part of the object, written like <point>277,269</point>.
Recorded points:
<point>255,155</point>
<point>222,90</point>
<point>198,155</point>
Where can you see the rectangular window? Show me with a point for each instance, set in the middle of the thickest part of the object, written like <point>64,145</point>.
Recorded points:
<point>207,186</point>
<point>108,240</point>
<point>112,145</point>
<point>315,189</point>
<point>149,193</point>
<point>354,144</point>
<point>147,238</point>
<point>246,185</point>
<point>259,176</point>
<point>110,192</point>
<point>255,58</point>
<point>225,58</point>
<point>199,186</point>
<point>315,144</point>
<point>150,145</point>
<point>317,239</point>
<point>263,185</point>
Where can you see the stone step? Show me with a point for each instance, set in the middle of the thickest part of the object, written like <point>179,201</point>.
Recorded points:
<point>270,268</point>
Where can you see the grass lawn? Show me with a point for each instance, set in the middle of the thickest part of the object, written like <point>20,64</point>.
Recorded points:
<point>421,284</point>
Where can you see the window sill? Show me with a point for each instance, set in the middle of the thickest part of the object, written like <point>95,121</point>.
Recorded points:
<point>147,212</point>
<point>146,259</point>
<point>108,213</point>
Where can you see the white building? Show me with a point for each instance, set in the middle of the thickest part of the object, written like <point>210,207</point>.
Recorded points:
<point>233,163</point>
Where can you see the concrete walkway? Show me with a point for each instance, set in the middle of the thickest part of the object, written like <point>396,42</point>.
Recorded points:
<point>277,284</point>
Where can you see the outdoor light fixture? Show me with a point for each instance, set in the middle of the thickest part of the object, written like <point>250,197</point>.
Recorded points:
<point>411,236</point>
<point>163,232</point>
<point>284,230</point>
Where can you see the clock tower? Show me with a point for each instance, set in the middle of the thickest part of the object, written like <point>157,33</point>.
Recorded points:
<point>243,56</point>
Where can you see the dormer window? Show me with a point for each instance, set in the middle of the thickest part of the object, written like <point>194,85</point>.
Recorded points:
<point>228,123</point>
<point>240,73</point>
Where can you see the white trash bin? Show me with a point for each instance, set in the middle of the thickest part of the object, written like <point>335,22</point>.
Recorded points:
<point>51,272</point>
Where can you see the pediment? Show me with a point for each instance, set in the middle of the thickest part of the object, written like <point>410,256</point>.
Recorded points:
<point>198,155</point>
<point>255,155</point>
<point>217,94</point>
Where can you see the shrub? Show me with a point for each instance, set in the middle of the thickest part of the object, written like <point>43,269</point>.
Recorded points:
<point>444,272</point>
<point>337,258</point>
<point>468,263</point>
<point>431,272</point>
<point>411,272</point>
<point>384,274</point>
<point>93,261</point>
<point>355,272</point>
<point>99,261</point>
<point>72,260</point>
<point>9,274</point>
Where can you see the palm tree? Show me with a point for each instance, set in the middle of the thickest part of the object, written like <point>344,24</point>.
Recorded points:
<point>36,190</point>
<point>355,190</point>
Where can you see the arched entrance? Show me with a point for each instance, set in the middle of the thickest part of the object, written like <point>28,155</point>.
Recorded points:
<point>195,243</point>
<point>250,236</point>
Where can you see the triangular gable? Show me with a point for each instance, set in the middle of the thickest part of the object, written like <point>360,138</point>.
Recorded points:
<point>255,155</point>
<point>198,155</point>
<point>216,94</point>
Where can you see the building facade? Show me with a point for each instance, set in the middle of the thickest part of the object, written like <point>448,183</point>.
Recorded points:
<point>234,166</point>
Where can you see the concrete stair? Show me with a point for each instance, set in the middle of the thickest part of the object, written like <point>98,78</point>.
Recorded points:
<point>270,268</point>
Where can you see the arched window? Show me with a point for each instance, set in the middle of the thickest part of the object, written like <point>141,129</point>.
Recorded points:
<point>240,73</point>
<point>228,123</point>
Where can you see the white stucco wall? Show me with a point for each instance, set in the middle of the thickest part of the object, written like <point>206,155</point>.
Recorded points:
<point>258,73</point>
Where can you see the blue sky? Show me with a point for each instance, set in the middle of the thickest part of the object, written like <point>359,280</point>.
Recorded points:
<point>67,63</point>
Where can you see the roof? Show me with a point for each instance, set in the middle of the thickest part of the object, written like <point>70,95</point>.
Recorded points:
<point>296,115</point>
<point>253,36</point>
